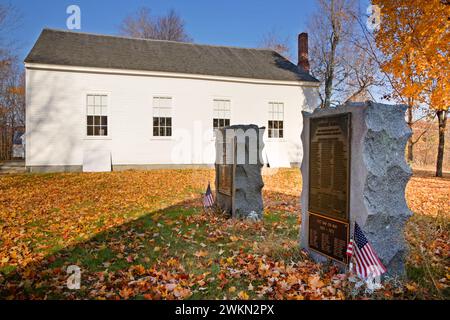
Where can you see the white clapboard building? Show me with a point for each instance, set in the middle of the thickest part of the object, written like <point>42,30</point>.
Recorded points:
<point>101,103</point>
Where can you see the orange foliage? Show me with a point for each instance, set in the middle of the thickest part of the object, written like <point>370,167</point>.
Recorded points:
<point>414,36</point>
<point>145,235</point>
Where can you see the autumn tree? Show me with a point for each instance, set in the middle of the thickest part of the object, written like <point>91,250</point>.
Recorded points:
<point>142,24</point>
<point>414,38</point>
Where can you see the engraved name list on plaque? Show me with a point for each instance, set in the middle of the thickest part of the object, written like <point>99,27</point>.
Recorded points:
<point>329,161</point>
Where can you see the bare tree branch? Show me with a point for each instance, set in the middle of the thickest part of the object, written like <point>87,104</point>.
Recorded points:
<point>346,71</point>
<point>12,92</point>
<point>273,41</point>
<point>141,24</point>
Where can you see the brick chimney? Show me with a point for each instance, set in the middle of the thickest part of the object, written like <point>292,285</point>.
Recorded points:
<point>303,60</point>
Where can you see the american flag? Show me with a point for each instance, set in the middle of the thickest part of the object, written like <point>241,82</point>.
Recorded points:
<point>367,262</point>
<point>208,199</point>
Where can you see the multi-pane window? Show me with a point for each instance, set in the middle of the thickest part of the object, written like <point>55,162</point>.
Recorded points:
<point>162,117</point>
<point>97,115</point>
<point>276,120</point>
<point>222,114</point>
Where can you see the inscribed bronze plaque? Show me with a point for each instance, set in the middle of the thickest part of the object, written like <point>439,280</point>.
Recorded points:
<point>329,237</point>
<point>329,162</point>
<point>225,179</point>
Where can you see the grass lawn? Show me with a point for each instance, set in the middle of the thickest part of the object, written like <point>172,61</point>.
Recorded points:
<point>144,235</point>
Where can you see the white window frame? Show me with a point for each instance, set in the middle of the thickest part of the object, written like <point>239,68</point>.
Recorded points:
<point>86,106</point>
<point>221,113</point>
<point>276,113</point>
<point>156,113</point>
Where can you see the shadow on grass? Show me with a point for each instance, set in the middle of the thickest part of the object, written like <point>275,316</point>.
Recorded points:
<point>178,231</point>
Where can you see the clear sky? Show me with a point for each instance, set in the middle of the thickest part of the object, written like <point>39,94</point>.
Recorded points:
<point>228,22</point>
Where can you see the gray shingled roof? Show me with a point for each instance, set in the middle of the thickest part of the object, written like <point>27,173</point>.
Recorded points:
<point>69,48</point>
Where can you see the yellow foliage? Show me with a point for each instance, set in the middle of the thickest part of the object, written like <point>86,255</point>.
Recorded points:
<point>415,36</point>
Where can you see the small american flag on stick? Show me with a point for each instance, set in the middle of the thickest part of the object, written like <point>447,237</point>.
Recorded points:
<point>350,248</point>
<point>208,199</point>
<point>367,262</point>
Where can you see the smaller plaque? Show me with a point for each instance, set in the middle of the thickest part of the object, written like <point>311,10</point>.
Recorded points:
<point>329,237</point>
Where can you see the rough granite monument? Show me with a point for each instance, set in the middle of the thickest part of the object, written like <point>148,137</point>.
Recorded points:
<point>239,162</point>
<point>354,170</point>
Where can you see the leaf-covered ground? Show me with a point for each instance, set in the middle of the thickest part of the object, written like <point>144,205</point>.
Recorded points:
<point>144,235</point>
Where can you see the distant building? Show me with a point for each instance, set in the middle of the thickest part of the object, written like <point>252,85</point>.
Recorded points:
<point>97,102</point>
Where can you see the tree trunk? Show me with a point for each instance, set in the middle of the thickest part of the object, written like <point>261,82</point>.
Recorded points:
<point>442,118</point>
<point>330,73</point>
<point>330,67</point>
<point>328,87</point>
<point>410,154</point>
